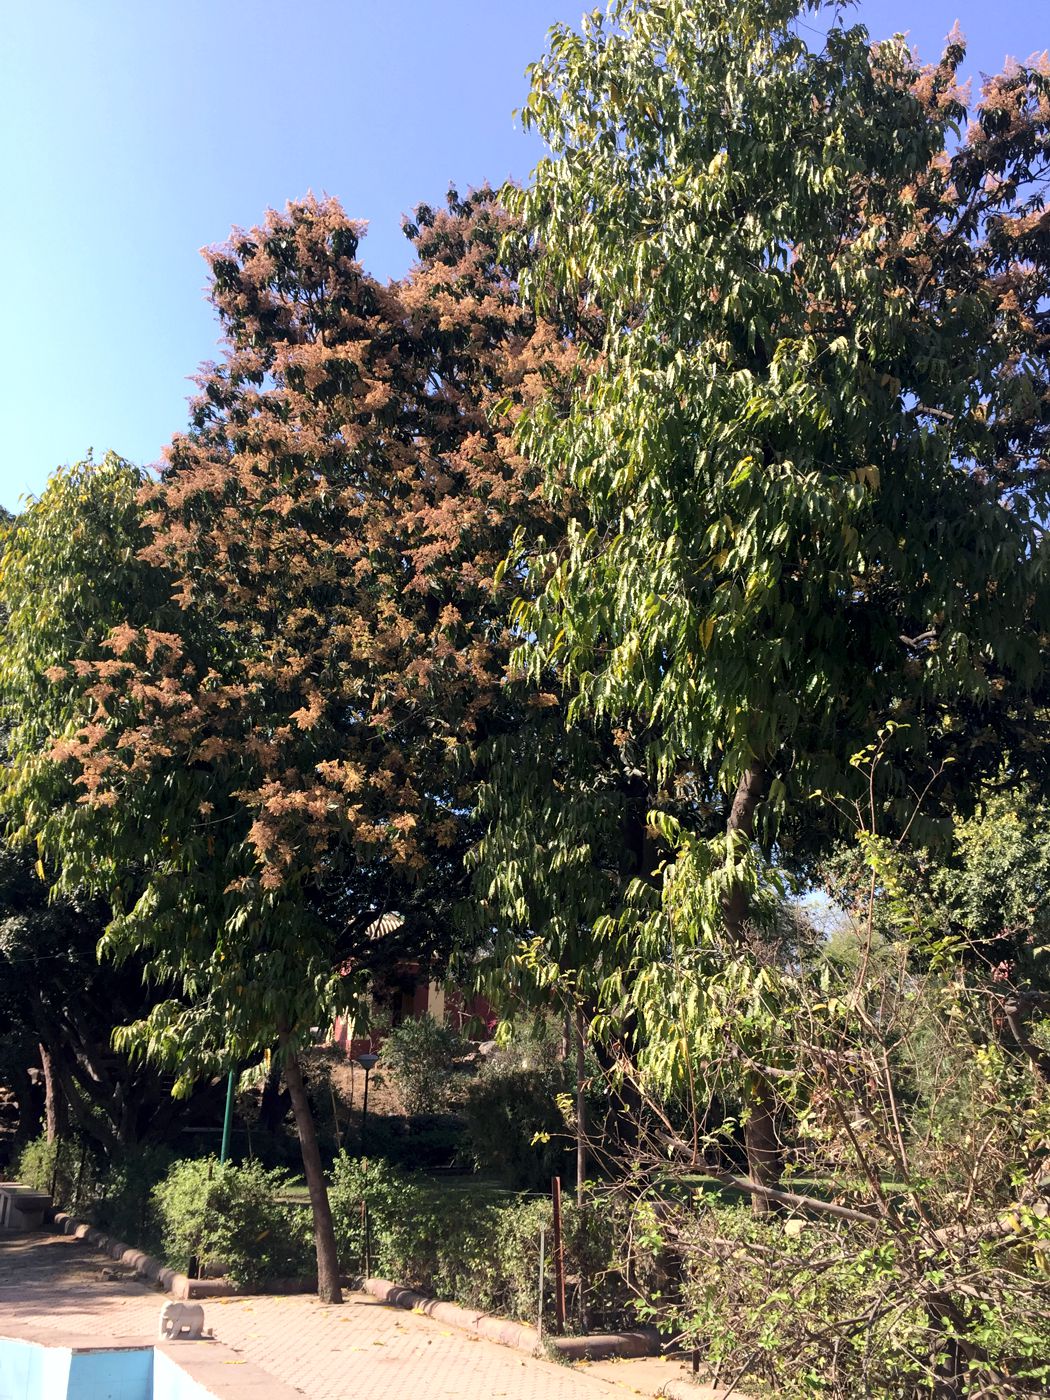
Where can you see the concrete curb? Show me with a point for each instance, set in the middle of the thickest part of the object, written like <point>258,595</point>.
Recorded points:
<point>643,1342</point>
<point>178,1285</point>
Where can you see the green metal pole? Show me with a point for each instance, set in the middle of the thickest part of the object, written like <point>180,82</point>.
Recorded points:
<point>227,1122</point>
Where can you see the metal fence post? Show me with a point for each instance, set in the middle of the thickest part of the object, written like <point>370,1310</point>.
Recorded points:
<point>539,1302</point>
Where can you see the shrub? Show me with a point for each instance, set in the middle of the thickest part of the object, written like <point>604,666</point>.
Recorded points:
<point>420,1055</point>
<point>468,1244</point>
<point>228,1217</point>
<point>56,1167</point>
<point>123,1204</point>
<point>116,1196</point>
<point>514,1128</point>
<point>385,1190</point>
<point>818,1312</point>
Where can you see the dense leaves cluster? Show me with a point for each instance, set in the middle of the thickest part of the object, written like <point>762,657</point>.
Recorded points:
<point>825,360</point>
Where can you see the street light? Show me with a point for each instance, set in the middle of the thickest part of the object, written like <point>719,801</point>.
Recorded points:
<point>368,1062</point>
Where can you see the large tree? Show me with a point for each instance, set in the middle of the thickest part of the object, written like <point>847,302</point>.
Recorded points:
<point>811,451</point>
<point>69,570</point>
<point>59,1008</point>
<point>288,753</point>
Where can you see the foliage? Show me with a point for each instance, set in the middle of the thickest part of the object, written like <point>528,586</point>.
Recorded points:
<point>420,1054</point>
<point>515,1129</point>
<point>784,376</point>
<point>465,1243</point>
<point>52,1165</point>
<point>911,1252</point>
<point>808,460</point>
<point>815,1311</point>
<point>230,1216</point>
<point>68,571</point>
<point>281,746</point>
<point>54,995</point>
<point>992,890</point>
<point>115,1195</point>
<point>123,1202</point>
<point>983,885</point>
<point>270,743</point>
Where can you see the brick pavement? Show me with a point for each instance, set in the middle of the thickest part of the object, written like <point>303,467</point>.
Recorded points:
<point>362,1350</point>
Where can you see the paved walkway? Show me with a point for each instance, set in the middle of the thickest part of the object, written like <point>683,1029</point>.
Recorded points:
<point>362,1350</point>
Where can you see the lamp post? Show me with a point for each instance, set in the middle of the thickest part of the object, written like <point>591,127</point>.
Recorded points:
<point>368,1062</point>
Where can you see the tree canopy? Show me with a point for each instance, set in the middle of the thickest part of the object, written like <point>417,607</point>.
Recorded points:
<point>280,749</point>
<point>810,451</point>
<point>809,454</point>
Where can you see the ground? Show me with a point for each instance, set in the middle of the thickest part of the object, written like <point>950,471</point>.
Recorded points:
<point>57,1284</point>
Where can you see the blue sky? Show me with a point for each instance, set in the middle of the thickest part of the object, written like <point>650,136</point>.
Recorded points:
<point>132,132</point>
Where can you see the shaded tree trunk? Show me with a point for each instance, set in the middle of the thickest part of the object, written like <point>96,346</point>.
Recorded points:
<point>735,909</point>
<point>273,1104</point>
<point>581,1105</point>
<point>328,1289</point>
<point>54,1105</point>
<point>762,1143</point>
<point>760,1131</point>
<point>98,1127</point>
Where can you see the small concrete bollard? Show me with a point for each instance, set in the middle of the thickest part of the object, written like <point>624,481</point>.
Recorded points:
<point>181,1322</point>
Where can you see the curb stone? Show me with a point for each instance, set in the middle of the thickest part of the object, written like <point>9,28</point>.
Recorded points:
<point>642,1342</point>
<point>153,1270</point>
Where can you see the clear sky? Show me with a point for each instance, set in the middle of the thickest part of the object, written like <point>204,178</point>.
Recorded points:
<point>133,132</point>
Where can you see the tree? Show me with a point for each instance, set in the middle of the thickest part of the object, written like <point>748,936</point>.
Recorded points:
<point>287,755</point>
<point>59,1010</point>
<point>811,450</point>
<point>68,571</point>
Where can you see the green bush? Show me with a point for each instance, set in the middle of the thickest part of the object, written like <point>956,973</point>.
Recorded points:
<point>385,1190</point>
<point>420,1055</point>
<point>123,1203</point>
<point>116,1196</point>
<point>819,1312</point>
<point>228,1218</point>
<point>467,1243</point>
<point>514,1128</point>
<point>55,1166</point>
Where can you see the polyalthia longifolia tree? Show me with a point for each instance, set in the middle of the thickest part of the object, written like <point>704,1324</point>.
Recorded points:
<point>291,755</point>
<point>810,453</point>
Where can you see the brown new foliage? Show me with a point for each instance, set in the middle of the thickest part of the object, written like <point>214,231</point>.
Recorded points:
<point>331,523</point>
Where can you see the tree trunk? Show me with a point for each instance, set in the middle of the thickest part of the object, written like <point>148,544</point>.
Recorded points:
<point>273,1103</point>
<point>735,908</point>
<point>328,1289</point>
<point>762,1143</point>
<point>581,1105</point>
<point>80,1110</point>
<point>760,1130</point>
<point>54,1126</point>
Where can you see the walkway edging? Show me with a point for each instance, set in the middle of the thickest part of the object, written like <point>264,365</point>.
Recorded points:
<point>644,1341</point>
<point>143,1264</point>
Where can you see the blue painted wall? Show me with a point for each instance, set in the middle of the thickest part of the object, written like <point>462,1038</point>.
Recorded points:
<point>110,1375</point>
<point>32,1372</point>
<point>29,1372</point>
